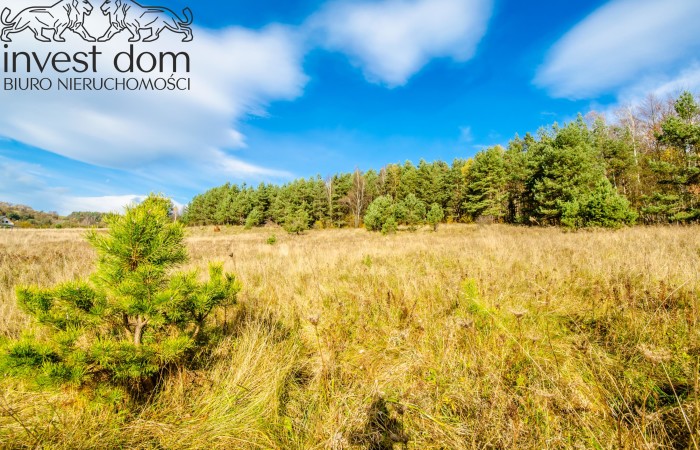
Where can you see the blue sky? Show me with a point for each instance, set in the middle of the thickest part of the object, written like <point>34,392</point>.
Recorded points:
<point>286,89</point>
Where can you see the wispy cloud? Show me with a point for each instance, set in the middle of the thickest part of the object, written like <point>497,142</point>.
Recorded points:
<point>661,87</point>
<point>622,42</point>
<point>465,135</point>
<point>42,188</point>
<point>21,182</point>
<point>392,40</point>
<point>107,203</point>
<point>687,79</point>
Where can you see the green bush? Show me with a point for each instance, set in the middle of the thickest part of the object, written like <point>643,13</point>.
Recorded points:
<point>297,222</point>
<point>378,212</point>
<point>390,226</point>
<point>435,215</point>
<point>603,207</point>
<point>134,316</point>
<point>414,211</point>
<point>254,219</point>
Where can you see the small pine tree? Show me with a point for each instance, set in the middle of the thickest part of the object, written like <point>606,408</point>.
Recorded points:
<point>254,219</point>
<point>435,216</point>
<point>132,318</point>
<point>378,212</point>
<point>390,226</point>
<point>414,211</point>
<point>605,207</point>
<point>297,222</point>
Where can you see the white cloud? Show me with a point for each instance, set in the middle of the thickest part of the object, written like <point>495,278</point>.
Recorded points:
<point>660,87</point>
<point>621,42</point>
<point>16,176</point>
<point>393,39</point>
<point>687,79</point>
<point>465,135</point>
<point>107,203</point>
<point>235,73</point>
<point>23,183</point>
<point>26,183</point>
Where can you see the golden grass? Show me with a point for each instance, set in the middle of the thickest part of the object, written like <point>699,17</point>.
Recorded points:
<point>471,337</point>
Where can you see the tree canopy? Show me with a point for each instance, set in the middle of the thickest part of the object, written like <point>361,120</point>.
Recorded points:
<point>644,168</point>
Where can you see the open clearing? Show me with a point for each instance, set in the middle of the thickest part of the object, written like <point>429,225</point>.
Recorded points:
<point>471,337</point>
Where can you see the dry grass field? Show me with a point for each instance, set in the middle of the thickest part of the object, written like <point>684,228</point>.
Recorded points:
<point>471,337</point>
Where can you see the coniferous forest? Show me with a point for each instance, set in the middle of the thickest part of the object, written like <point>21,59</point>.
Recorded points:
<point>641,166</point>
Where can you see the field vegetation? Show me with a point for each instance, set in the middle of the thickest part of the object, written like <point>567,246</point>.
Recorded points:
<point>474,336</point>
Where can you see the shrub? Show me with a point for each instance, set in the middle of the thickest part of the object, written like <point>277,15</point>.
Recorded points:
<point>603,207</point>
<point>435,215</point>
<point>254,219</point>
<point>297,222</point>
<point>414,211</point>
<point>378,212</point>
<point>390,226</point>
<point>132,318</point>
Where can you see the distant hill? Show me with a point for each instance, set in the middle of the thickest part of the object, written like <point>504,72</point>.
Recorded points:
<point>26,217</point>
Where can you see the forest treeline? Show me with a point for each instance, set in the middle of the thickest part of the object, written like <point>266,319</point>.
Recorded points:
<point>643,168</point>
<point>26,217</point>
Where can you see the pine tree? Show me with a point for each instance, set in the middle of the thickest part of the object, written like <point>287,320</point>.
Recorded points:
<point>678,169</point>
<point>132,318</point>
<point>379,212</point>
<point>564,169</point>
<point>254,219</point>
<point>408,181</point>
<point>515,160</point>
<point>603,207</point>
<point>486,191</point>
<point>298,221</point>
<point>413,211</point>
<point>435,216</point>
<point>652,158</point>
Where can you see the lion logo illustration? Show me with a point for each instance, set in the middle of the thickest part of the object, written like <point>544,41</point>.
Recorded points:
<point>133,17</point>
<point>64,15</point>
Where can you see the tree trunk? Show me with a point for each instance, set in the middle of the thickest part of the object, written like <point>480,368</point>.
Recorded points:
<point>138,332</point>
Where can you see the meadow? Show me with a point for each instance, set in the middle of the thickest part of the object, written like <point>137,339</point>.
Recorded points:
<point>475,336</point>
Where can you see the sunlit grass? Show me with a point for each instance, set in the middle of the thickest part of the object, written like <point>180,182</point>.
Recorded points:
<point>471,337</point>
